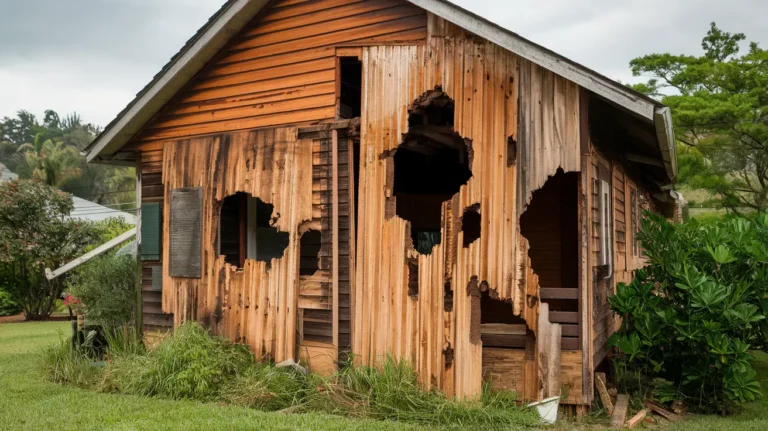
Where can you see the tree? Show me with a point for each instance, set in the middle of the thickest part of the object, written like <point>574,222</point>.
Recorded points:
<point>720,110</point>
<point>53,163</point>
<point>36,233</point>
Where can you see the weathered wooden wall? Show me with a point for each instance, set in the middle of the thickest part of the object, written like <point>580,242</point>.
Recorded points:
<point>523,123</point>
<point>282,68</point>
<point>485,82</point>
<point>255,305</point>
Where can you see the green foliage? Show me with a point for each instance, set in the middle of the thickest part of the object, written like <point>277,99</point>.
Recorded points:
<point>50,151</point>
<point>8,304</point>
<point>67,365</point>
<point>106,287</point>
<point>720,112</point>
<point>266,387</point>
<point>187,365</point>
<point>691,316</point>
<point>190,364</point>
<point>36,233</point>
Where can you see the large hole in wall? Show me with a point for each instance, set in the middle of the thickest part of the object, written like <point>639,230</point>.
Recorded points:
<point>246,230</point>
<point>430,166</point>
<point>550,224</point>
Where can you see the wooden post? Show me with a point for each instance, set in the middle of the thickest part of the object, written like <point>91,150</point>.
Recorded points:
<point>139,264</point>
<point>619,414</point>
<point>335,234</point>
<point>585,251</point>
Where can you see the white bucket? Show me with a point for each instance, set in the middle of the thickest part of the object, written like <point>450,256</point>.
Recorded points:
<point>547,409</point>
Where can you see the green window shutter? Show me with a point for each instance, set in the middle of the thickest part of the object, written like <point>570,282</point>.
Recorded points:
<point>150,231</point>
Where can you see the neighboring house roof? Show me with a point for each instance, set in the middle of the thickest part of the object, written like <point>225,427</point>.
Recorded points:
<point>235,14</point>
<point>83,210</point>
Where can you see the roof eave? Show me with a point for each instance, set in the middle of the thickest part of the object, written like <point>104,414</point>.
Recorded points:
<point>665,135</point>
<point>181,70</point>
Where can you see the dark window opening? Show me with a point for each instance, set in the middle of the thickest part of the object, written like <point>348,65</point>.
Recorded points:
<point>310,252</point>
<point>430,166</point>
<point>246,231</point>
<point>350,97</point>
<point>470,225</point>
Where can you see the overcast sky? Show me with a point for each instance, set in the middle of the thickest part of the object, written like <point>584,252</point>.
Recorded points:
<point>93,56</point>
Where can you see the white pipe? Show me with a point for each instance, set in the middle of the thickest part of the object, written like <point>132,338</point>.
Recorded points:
<point>90,255</point>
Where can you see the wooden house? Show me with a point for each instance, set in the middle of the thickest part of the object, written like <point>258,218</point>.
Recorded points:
<point>388,177</point>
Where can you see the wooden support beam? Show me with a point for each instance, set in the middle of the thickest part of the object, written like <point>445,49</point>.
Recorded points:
<point>335,234</point>
<point>619,414</point>
<point>318,131</point>
<point>559,293</point>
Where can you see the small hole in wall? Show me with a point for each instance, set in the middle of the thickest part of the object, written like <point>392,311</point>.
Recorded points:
<point>246,231</point>
<point>470,225</point>
<point>310,252</point>
<point>430,166</point>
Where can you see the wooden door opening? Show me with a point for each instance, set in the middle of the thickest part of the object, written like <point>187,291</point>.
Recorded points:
<point>551,226</point>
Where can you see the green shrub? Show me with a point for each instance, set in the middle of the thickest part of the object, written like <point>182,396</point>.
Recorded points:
<point>8,304</point>
<point>64,364</point>
<point>266,387</point>
<point>392,392</point>
<point>107,288</point>
<point>189,364</point>
<point>691,316</point>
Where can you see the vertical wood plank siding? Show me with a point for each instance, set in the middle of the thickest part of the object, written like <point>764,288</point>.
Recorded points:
<point>281,68</point>
<point>483,80</point>
<point>255,305</point>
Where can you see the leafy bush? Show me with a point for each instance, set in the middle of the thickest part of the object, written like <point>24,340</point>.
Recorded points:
<point>692,315</point>
<point>106,287</point>
<point>8,305</point>
<point>189,364</point>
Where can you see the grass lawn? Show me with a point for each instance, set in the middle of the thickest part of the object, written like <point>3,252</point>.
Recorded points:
<point>29,402</point>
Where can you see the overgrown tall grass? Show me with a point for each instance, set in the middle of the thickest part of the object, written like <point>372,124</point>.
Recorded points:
<point>190,364</point>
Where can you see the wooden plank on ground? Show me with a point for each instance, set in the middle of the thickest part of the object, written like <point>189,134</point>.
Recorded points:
<point>636,419</point>
<point>619,414</point>
<point>666,414</point>
<point>603,391</point>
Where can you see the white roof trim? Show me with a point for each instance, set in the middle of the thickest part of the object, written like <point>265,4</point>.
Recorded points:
<point>183,69</point>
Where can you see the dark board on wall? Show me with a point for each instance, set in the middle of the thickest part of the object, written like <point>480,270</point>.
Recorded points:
<point>186,233</point>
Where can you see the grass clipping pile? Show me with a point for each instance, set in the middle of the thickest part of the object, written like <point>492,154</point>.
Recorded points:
<point>190,364</point>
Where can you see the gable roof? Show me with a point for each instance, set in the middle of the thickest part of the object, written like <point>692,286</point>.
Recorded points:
<point>234,15</point>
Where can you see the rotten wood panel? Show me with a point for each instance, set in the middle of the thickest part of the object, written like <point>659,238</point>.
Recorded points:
<point>257,304</point>
<point>482,79</point>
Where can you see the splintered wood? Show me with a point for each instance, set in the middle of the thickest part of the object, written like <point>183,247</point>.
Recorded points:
<point>256,305</point>
<point>483,80</point>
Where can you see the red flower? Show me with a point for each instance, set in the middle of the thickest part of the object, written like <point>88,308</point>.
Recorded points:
<point>70,300</point>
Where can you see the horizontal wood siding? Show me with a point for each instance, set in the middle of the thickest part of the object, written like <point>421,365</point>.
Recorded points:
<point>153,318</point>
<point>282,68</point>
